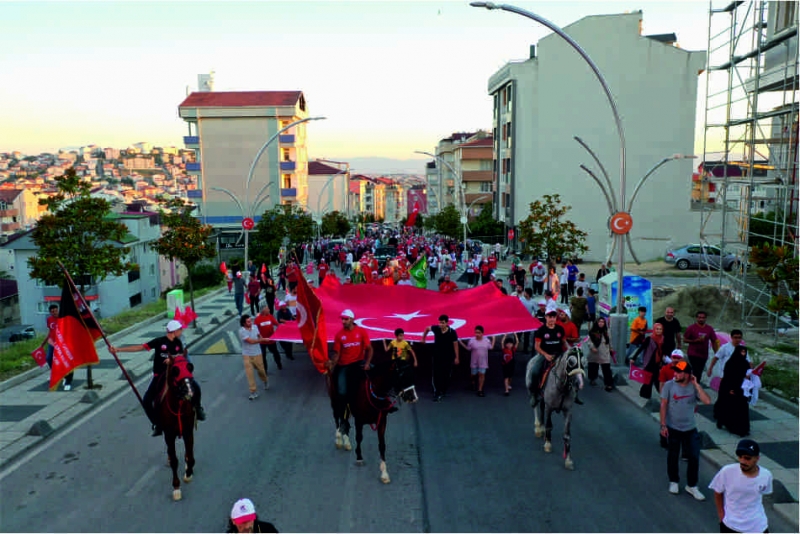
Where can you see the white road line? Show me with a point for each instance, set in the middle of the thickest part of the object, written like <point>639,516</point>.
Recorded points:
<point>234,341</point>
<point>217,402</point>
<point>239,377</point>
<point>141,482</point>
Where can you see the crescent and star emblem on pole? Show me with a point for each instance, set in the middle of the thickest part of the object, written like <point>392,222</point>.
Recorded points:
<point>621,223</point>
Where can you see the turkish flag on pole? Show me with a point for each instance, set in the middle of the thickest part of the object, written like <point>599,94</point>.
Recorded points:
<point>223,268</point>
<point>640,375</point>
<point>311,323</point>
<point>381,309</point>
<point>74,335</point>
<point>413,217</point>
<point>40,356</point>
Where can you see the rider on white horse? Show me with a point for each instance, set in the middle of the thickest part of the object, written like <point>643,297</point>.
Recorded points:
<point>549,342</point>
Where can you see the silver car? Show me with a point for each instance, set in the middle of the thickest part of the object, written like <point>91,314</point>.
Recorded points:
<point>706,256</point>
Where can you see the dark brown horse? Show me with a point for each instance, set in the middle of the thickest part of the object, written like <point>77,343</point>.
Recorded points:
<point>371,397</point>
<point>177,418</point>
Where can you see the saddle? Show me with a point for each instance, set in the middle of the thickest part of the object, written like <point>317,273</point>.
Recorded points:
<point>545,373</point>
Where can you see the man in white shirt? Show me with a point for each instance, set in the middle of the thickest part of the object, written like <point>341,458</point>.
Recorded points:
<point>538,273</point>
<point>739,490</point>
<point>725,352</point>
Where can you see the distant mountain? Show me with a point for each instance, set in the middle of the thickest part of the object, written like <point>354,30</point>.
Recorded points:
<point>377,165</point>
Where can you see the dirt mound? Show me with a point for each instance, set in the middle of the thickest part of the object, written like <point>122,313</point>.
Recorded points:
<point>723,312</point>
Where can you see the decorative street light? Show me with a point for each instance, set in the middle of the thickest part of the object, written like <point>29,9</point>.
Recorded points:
<point>620,221</point>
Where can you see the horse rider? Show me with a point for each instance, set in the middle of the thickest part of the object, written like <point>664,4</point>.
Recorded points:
<point>549,342</point>
<point>352,353</point>
<point>164,347</point>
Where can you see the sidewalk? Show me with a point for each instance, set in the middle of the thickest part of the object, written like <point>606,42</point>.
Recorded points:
<point>30,412</point>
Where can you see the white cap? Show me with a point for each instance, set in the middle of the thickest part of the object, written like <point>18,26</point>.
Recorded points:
<point>677,353</point>
<point>566,312</point>
<point>174,326</point>
<point>541,302</point>
<point>349,313</point>
<point>552,307</point>
<point>242,511</point>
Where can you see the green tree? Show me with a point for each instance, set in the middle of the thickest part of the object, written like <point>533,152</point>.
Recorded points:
<point>79,232</point>
<point>185,239</point>
<point>335,223</point>
<point>778,268</point>
<point>485,224</point>
<point>127,180</point>
<point>546,230</point>
<point>282,221</point>
<point>448,222</point>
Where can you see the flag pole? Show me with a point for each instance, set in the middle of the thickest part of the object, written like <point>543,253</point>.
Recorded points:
<point>102,333</point>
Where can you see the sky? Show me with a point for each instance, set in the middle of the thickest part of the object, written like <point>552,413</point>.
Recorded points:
<point>391,77</point>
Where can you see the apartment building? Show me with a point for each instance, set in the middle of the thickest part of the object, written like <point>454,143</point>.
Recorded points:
<point>371,196</point>
<point>19,210</point>
<point>226,130</point>
<point>474,161</point>
<point>542,102</point>
<point>328,187</point>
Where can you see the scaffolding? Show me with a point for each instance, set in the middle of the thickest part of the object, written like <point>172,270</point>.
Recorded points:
<point>748,184</point>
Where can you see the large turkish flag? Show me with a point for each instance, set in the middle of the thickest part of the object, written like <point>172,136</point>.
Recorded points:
<point>381,309</point>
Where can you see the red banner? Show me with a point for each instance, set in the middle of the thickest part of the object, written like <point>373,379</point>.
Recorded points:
<point>311,323</point>
<point>381,309</point>
<point>640,375</point>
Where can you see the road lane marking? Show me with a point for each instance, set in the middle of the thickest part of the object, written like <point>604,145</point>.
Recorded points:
<point>217,402</point>
<point>220,347</point>
<point>235,343</point>
<point>137,487</point>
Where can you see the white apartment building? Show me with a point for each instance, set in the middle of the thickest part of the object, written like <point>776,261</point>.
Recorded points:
<point>328,187</point>
<point>541,103</point>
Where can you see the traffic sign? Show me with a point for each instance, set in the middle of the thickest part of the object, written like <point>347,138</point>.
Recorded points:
<point>510,234</point>
<point>248,223</point>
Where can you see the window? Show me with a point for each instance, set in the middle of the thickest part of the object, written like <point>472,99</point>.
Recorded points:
<point>714,251</point>
<point>287,156</point>
<point>785,15</point>
<point>152,269</point>
<point>286,181</point>
<point>153,292</point>
<point>135,300</point>
<point>693,250</point>
<point>485,165</point>
<point>42,307</point>
<point>486,187</point>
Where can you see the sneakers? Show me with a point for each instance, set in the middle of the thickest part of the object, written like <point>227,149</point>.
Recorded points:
<point>67,387</point>
<point>253,396</point>
<point>694,492</point>
<point>674,488</point>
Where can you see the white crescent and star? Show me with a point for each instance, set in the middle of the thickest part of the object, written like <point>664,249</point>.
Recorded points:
<point>616,224</point>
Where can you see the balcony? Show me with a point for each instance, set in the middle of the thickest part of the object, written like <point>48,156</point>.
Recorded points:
<point>194,193</point>
<point>10,227</point>
<point>286,139</point>
<point>9,213</point>
<point>191,141</point>
<point>477,176</point>
<point>289,192</point>
<point>288,165</point>
<point>193,168</point>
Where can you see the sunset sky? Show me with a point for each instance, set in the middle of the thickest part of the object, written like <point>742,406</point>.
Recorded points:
<point>392,77</point>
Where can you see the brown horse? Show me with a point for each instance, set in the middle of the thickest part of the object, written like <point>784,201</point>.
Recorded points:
<point>177,418</point>
<point>371,397</point>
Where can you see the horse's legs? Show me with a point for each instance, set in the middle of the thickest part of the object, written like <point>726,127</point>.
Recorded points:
<point>188,445</point>
<point>359,437</point>
<point>548,429</point>
<point>382,449</point>
<point>568,463</point>
<point>538,429</point>
<point>169,438</point>
<point>344,429</point>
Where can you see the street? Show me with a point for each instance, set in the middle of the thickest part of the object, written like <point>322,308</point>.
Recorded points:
<point>467,464</point>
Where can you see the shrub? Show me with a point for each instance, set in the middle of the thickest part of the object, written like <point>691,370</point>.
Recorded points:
<point>206,275</point>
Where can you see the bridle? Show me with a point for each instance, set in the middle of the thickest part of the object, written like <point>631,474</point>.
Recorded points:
<point>372,396</point>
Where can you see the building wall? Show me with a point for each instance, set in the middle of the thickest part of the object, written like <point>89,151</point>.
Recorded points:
<point>557,97</point>
<point>334,196</point>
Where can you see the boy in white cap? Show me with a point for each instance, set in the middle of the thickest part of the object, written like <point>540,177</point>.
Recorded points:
<point>164,347</point>
<point>245,519</point>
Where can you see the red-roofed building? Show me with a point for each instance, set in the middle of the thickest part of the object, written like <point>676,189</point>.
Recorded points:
<point>328,187</point>
<point>474,159</point>
<point>464,154</point>
<point>19,210</point>
<point>227,130</point>
<point>371,196</point>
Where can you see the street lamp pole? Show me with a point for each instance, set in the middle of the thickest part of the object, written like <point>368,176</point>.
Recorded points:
<point>247,209</point>
<point>460,187</point>
<point>620,222</point>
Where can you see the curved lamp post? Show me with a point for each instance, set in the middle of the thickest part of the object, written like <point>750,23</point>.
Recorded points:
<point>620,221</point>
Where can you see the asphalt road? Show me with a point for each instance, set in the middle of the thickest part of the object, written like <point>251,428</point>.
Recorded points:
<point>468,464</point>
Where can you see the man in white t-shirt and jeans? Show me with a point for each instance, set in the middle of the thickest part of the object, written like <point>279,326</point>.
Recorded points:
<point>739,489</point>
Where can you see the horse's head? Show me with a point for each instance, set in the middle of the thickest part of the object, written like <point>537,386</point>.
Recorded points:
<point>179,376</point>
<point>383,376</point>
<point>573,364</point>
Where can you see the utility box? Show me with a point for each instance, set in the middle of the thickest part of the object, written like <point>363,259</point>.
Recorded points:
<point>636,290</point>
<point>174,300</point>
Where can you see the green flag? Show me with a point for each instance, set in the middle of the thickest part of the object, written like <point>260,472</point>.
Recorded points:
<point>418,272</point>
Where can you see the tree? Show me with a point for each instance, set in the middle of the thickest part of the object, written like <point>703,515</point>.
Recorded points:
<point>185,239</point>
<point>546,231</point>
<point>284,221</point>
<point>79,232</point>
<point>485,224</point>
<point>447,222</point>
<point>778,268</point>
<point>335,223</point>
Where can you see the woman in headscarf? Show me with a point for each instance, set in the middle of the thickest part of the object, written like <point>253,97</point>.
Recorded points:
<point>598,353</point>
<point>732,409</point>
<point>652,356</point>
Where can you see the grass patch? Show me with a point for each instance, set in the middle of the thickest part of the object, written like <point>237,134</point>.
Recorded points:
<point>16,359</point>
<point>781,380</point>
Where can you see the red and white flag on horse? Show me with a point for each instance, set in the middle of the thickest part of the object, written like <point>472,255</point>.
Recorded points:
<point>311,323</point>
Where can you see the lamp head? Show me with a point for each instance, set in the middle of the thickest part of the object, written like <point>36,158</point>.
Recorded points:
<point>487,5</point>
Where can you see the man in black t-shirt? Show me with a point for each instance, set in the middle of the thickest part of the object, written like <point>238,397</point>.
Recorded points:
<point>672,331</point>
<point>549,342</point>
<point>163,347</point>
<point>445,355</point>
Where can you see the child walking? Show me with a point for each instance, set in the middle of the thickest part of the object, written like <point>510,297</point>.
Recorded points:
<point>509,363</point>
<point>479,356</point>
<point>405,359</point>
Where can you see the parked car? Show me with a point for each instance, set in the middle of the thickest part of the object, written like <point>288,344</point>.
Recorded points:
<point>23,334</point>
<point>707,256</point>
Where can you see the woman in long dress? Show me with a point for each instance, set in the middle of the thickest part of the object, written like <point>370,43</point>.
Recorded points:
<point>598,353</point>
<point>732,409</point>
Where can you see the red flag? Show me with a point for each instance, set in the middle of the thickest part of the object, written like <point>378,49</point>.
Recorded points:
<point>640,375</point>
<point>311,323</point>
<point>760,368</point>
<point>188,316</point>
<point>413,217</point>
<point>223,268</point>
<point>179,316</point>
<point>73,336</point>
<point>381,309</point>
<point>263,268</point>
<point>40,356</point>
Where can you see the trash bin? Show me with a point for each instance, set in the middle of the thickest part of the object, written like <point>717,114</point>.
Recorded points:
<point>174,300</point>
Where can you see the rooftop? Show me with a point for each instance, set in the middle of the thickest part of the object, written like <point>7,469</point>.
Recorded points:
<point>243,99</point>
